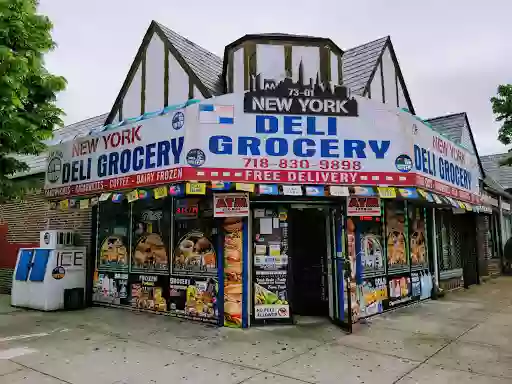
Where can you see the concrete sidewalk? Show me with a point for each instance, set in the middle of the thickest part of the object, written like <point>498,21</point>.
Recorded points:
<point>465,338</point>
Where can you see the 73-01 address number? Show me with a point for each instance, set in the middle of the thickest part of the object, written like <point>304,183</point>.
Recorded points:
<point>335,165</point>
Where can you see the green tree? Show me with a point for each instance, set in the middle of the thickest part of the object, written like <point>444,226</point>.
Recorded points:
<point>502,109</point>
<point>28,111</point>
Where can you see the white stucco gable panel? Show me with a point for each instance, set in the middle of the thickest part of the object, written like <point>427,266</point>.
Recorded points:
<point>178,82</point>
<point>132,98</point>
<point>389,71</point>
<point>238,70</point>
<point>334,68</point>
<point>376,86</point>
<point>155,60</point>
<point>402,101</point>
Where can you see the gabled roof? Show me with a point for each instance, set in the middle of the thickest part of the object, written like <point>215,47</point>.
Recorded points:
<point>359,64</point>
<point>206,65</point>
<point>202,66</point>
<point>502,174</point>
<point>452,127</point>
<point>37,164</point>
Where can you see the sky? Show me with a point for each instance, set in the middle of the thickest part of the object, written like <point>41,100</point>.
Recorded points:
<point>453,53</point>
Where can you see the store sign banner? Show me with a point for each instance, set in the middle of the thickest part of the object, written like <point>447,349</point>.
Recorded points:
<point>442,165</point>
<point>230,204</point>
<point>363,206</point>
<point>129,156</point>
<point>288,133</point>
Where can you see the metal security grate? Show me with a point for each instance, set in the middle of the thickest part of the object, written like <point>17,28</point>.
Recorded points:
<point>455,245</point>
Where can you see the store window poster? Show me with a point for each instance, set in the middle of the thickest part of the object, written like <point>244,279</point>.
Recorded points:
<point>150,234</point>
<point>111,288</point>
<point>372,294</point>
<point>195,238</point>
<point>113,236</point>
<point>395,236</point>
<point>148,292</point>
<point>233,242</point>
<point>369,248</point>
<point>417,240</point>
<point>194,298</point>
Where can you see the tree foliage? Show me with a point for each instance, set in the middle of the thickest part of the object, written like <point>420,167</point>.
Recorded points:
<point>502,109</point>
<point>28,112</point>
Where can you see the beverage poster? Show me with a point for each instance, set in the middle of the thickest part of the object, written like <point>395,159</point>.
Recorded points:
<point>194,298</point>
<point>233,241</point>
<point>111,288</point>
<point>368,246</point>
<point>417,239</point>
<point>395,231</point>
<point>372,295</point>
<point>113,237</point>
<point>194,252</point>
<point>149,292</point>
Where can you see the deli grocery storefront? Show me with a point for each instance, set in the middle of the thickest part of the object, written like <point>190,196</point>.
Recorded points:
<point>291,199</point>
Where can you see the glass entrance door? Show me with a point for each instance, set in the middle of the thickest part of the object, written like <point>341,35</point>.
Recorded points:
<point>340,306</point>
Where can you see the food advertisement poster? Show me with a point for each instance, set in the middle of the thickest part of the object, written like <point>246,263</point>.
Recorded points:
<point>395,233</point>
<point>194,253</point>
<point>113,253</point>
<point>149,292</point>
<point>372,293</point>
<point>231,204</point>
<point>113,237</point>
<point>417,238</point>
<point>111,288</point>
<point>270,295</point>
<point>151,228</point>
<point>194,298</point>
<point>363,206</point>
<point>233,240</point>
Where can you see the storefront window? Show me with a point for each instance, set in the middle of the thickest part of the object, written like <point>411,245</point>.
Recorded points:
<point>196,236</point>
<point>151,235</point>
<point>417,238</point>
<point>113,236</point>
<point>397,258</point>
<point>194,283</point>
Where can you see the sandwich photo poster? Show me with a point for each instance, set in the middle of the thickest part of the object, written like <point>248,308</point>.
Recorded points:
<point>233,271</point>
<point>150,237</point>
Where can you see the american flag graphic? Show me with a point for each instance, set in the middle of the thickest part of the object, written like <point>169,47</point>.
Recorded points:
<point>216,114</point>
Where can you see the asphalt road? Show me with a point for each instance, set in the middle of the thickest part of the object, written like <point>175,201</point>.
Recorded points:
<point>464,338</point>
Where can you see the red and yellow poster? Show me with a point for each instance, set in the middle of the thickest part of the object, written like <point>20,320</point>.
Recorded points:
<point>233,241</point>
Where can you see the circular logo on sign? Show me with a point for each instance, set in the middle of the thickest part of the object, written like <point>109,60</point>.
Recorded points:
<point>196,157</point>
<point>178,120</point>
<point>53,170</point>
<point>46,238</point>
<point>403,163</point>
<point>58,273</point>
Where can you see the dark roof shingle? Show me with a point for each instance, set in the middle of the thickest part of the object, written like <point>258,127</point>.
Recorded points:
<point>502,174</point>
<point>359,63</point>
<point>450,126</point>
<point>206,65</point>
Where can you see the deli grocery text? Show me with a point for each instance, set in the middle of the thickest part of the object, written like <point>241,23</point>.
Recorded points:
<point>305,128</point>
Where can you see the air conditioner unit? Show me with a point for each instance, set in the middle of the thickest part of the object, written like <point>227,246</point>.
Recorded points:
<point>56,239</point>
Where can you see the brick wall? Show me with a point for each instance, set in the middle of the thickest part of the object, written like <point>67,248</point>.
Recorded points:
<point>21,222</point>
